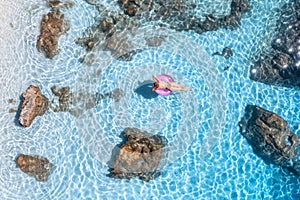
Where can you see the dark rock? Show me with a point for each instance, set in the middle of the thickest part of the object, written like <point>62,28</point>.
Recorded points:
<point>281,66</point>
<point>38,167</point>
<point>33,104</point>
<point>139,156</point>
<point>227,53</point>
<point>53,25</point>
<point>238,8</point>
<point>226,68</point>
<point>270,137</point>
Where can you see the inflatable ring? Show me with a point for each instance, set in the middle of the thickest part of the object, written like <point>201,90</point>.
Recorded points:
<point>163,91</point>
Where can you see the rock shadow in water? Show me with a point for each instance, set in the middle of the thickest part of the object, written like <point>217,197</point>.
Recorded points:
<point>18,112</point>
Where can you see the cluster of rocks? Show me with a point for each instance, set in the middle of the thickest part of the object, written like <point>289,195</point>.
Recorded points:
<point>271,138</point>
<point>110,29</point>
<point>53,25</point>
<point>139,155</point>
<point>281,66</point>
<point>179,14</point>
<point>267,133</point>
<point>33,104</point>
<point>109,32</point>
<point>38,167</point>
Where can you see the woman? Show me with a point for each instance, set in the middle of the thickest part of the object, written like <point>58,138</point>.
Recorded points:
<point>168,85</point>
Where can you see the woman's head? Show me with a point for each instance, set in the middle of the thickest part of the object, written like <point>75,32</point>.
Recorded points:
<point>155,86</point>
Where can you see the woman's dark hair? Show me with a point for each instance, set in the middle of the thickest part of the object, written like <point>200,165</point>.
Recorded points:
<point>155,86</point>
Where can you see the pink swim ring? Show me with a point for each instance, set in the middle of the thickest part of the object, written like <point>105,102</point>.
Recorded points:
<point>163,91</point>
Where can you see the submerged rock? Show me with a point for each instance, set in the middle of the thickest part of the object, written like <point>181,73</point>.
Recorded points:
<point>64,98</point>
<point>76,102</point>
<point>53,25</point>
<point>56,4</point>
<point>271,138</point>
<point>86,42</point>
<point>38,167</point>
<point>33,104</point>
<point>139,156</point>
<point>109,32</point>
<point>226,53</point>
<point>281,66</point>
<point>155,41</point>
<point>119,44</point>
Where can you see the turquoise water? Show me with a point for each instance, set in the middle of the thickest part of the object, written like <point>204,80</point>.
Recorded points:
<point>207,156</point>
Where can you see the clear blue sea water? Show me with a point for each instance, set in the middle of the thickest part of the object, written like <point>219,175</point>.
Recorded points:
<point>207,156</point>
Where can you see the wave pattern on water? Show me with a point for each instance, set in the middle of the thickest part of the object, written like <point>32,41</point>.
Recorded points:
<point>93,127</point>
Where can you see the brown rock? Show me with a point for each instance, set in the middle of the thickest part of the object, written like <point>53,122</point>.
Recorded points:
<point>139,156</point>
<point>33,104</point>
<point>38,167</point>
<point>107,24</point>
<point>53,25</point>
<point>131,10</point>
